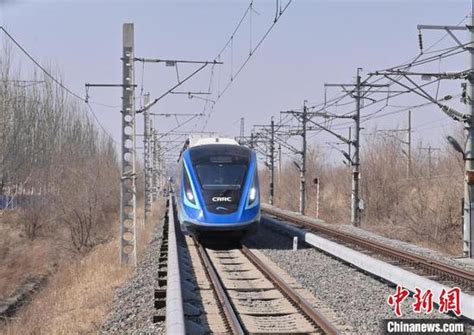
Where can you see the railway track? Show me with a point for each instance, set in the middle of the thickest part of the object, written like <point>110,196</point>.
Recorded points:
<point>255,298</point>
<point>236,291</point>
<point>428,267</point>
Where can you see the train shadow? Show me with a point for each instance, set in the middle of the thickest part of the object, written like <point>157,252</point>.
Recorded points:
<point>220,241</point>
<point>271,237</point>
<point>267,236</point>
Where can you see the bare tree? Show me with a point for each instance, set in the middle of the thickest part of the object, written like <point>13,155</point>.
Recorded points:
<point>51,148</point>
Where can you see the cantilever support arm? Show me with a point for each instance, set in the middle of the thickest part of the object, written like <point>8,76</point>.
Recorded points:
<point>342,138</point>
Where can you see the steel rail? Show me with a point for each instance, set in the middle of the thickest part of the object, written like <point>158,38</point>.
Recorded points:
<point>232,318</point>
<point>318,319</point>
<point>451,272</point>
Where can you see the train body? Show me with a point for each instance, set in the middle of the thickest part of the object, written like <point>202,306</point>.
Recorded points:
<point>218,189</point>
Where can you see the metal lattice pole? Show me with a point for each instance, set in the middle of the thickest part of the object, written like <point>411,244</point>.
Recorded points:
<point>355,198</point>
<point>409,145</point>
<point>272,162</point>
<point>303,161</point>
<point>156,164</point>
<point>349,144</point>
<point>468,225</point>
<point>128,244</point>
<point>468,119</point>
<point>148,163</point>
<point>161,170</point>
<point>242,130</point>
<point>356,93</point>
<point>279,167</point>
<point>152,160</point>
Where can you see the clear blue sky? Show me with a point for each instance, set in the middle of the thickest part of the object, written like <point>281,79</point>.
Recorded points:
<point>313,43</point>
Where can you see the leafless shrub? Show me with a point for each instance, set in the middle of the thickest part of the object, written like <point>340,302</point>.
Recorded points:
<point>423,207</point>
<point>34,215</point>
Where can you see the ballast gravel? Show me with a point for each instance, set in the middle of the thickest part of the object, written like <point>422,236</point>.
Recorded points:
<point>359,299</point>
<point>133,307</point>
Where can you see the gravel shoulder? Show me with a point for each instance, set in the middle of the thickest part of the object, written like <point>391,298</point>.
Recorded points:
<point>133,307</point>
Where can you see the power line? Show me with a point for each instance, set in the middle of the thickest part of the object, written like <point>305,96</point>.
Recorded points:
<point>251,53</point>
<point>415,61</point>
<point>254,49</point>
<point>236,29</point>
<point>59,83</point>
<point>94,115</point>
<point>39,65</point>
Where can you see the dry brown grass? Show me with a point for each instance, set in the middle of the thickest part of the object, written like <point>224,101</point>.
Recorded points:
<point>77,298</point>
<point>423,209</point>
<point>21,258</point>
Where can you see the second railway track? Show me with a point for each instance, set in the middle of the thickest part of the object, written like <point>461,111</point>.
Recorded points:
<point>429,267</point>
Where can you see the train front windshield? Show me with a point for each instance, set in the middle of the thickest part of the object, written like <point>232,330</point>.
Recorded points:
<point>221,172</point>
<point>216,176</point>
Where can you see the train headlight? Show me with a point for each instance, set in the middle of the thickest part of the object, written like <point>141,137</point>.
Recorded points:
<point>188,191</point>
<point>252,195</point>
<point>253,192</point>
<point>190,196</point>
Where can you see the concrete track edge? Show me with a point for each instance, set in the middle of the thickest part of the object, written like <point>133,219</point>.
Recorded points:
<point>174,302</point>
<point>389,272</point>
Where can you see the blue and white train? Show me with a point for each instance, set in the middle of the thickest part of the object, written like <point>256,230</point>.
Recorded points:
<point>218,189</point>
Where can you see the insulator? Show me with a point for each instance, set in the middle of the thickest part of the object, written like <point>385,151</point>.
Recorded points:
<point>420,40</point>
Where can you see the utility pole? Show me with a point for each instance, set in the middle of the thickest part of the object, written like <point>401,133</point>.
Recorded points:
<point>267,136</point>
<point>303,160</point>
<point>409,145</point>
<point>279,166</point>
<point>156,163</point>
<point>349,148</point>
<point>152,160</point>
<point>355,209</point>
<point>469,160</point>
<point>128,245</point>
<point>128,201</point>
<point>272,161</point>
<point>408,131</point>
<point>356,93</point>
<point>430,150</point>
<point>316,181</point>
<point>148,159</point>
<point>467,118</point>
<point>303,117</point>
<point>128,155</point>
<point>429,161</point>
<point>242,130</point>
